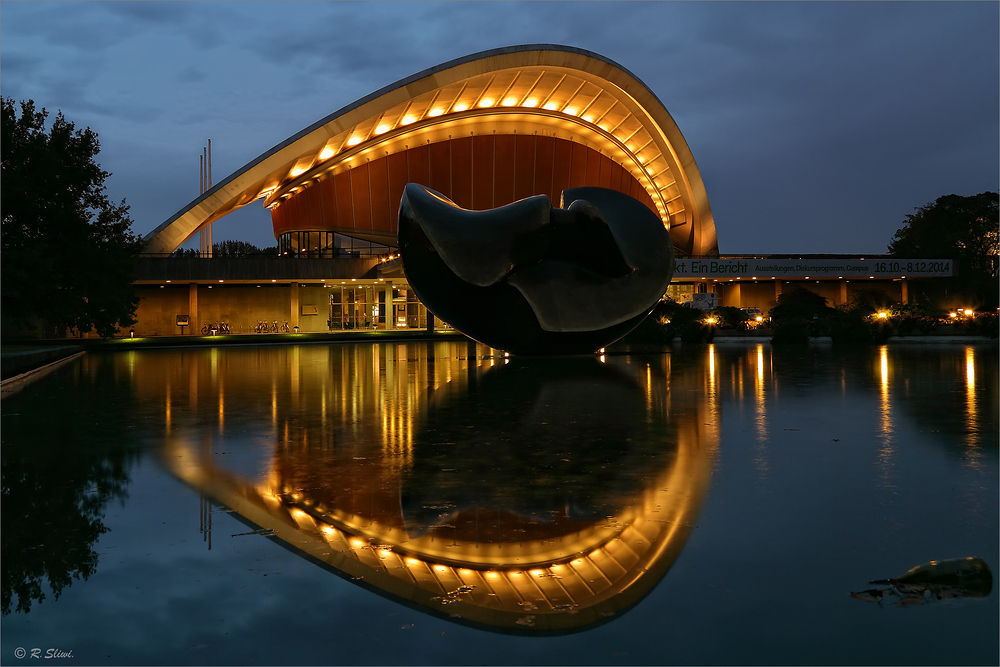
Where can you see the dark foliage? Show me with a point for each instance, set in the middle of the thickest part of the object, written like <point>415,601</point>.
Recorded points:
<point>800,313</point>
<point>235,249</point>
<point>801,296</point>
<point>57,481</point>
<point>670,320</point>
<point>68,251</point>
<point>966,229</point>
<point>729,317</point>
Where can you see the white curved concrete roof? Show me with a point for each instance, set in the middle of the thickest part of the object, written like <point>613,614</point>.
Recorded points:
<point>545,88</point>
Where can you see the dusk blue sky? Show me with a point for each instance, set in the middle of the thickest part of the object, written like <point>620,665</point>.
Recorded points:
<point>817,127</point>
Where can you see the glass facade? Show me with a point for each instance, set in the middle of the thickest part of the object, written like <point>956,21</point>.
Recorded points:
<point>307,244</point>
<point>321,244</point>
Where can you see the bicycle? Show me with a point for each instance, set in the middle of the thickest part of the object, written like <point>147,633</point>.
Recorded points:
<point>274,326</point>
<point>284,327</point>
<point>209,328</point>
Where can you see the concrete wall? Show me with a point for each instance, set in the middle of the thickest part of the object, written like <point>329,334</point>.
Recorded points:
<point>240,305</point>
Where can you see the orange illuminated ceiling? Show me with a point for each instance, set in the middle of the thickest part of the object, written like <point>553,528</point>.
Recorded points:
<point>542,90</point>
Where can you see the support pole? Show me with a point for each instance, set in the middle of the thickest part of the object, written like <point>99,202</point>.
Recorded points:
<point>293,312</point>
<point>195,323</point>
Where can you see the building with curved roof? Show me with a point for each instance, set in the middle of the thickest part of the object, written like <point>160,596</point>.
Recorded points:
<point>485,130</point>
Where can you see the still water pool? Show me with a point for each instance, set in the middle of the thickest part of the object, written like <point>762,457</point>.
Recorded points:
<point>436,503</point>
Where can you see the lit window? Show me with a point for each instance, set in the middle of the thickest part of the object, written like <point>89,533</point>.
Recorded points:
<point>488,102</point>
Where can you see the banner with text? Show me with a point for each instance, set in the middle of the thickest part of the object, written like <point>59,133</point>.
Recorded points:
<point>812,268</point>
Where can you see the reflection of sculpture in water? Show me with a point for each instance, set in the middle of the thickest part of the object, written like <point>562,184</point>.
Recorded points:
<point>542,498</point>
<point>934,580</point>
<point>532,279</point>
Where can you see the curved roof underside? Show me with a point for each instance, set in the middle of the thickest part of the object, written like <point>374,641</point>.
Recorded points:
<point>546,89</point>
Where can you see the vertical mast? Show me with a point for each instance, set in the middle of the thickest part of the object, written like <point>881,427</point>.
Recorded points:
<point>208,186</point>
<point>205,243</point>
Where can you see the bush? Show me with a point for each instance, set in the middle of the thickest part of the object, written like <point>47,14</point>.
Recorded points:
<point>729,317</point>
<point>667,321</point>
<point>799,315</point>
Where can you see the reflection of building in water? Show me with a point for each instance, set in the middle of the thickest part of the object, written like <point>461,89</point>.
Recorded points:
<point>520,498</point>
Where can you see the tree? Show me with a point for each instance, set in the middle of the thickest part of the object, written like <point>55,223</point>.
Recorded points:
<point>730,317</point>
<point>800,313</point>
<point>68,251</point>
<point>235,249</point>
<point>966,229</point>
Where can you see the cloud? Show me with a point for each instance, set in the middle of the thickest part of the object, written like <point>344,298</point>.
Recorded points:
<point>787,107</point>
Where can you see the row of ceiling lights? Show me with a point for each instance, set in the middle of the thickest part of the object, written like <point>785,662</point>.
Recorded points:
<point>485,103</point>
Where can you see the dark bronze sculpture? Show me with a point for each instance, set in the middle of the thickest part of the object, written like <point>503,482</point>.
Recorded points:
<point>531,279</point>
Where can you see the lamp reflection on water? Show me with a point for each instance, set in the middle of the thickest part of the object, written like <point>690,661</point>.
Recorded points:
<point>760,413</point>
<point>972,418</point>
<point>886,450</point>
<point>535,497</point>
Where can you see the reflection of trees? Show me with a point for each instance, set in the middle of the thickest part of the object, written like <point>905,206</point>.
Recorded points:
<point>56,483</point>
